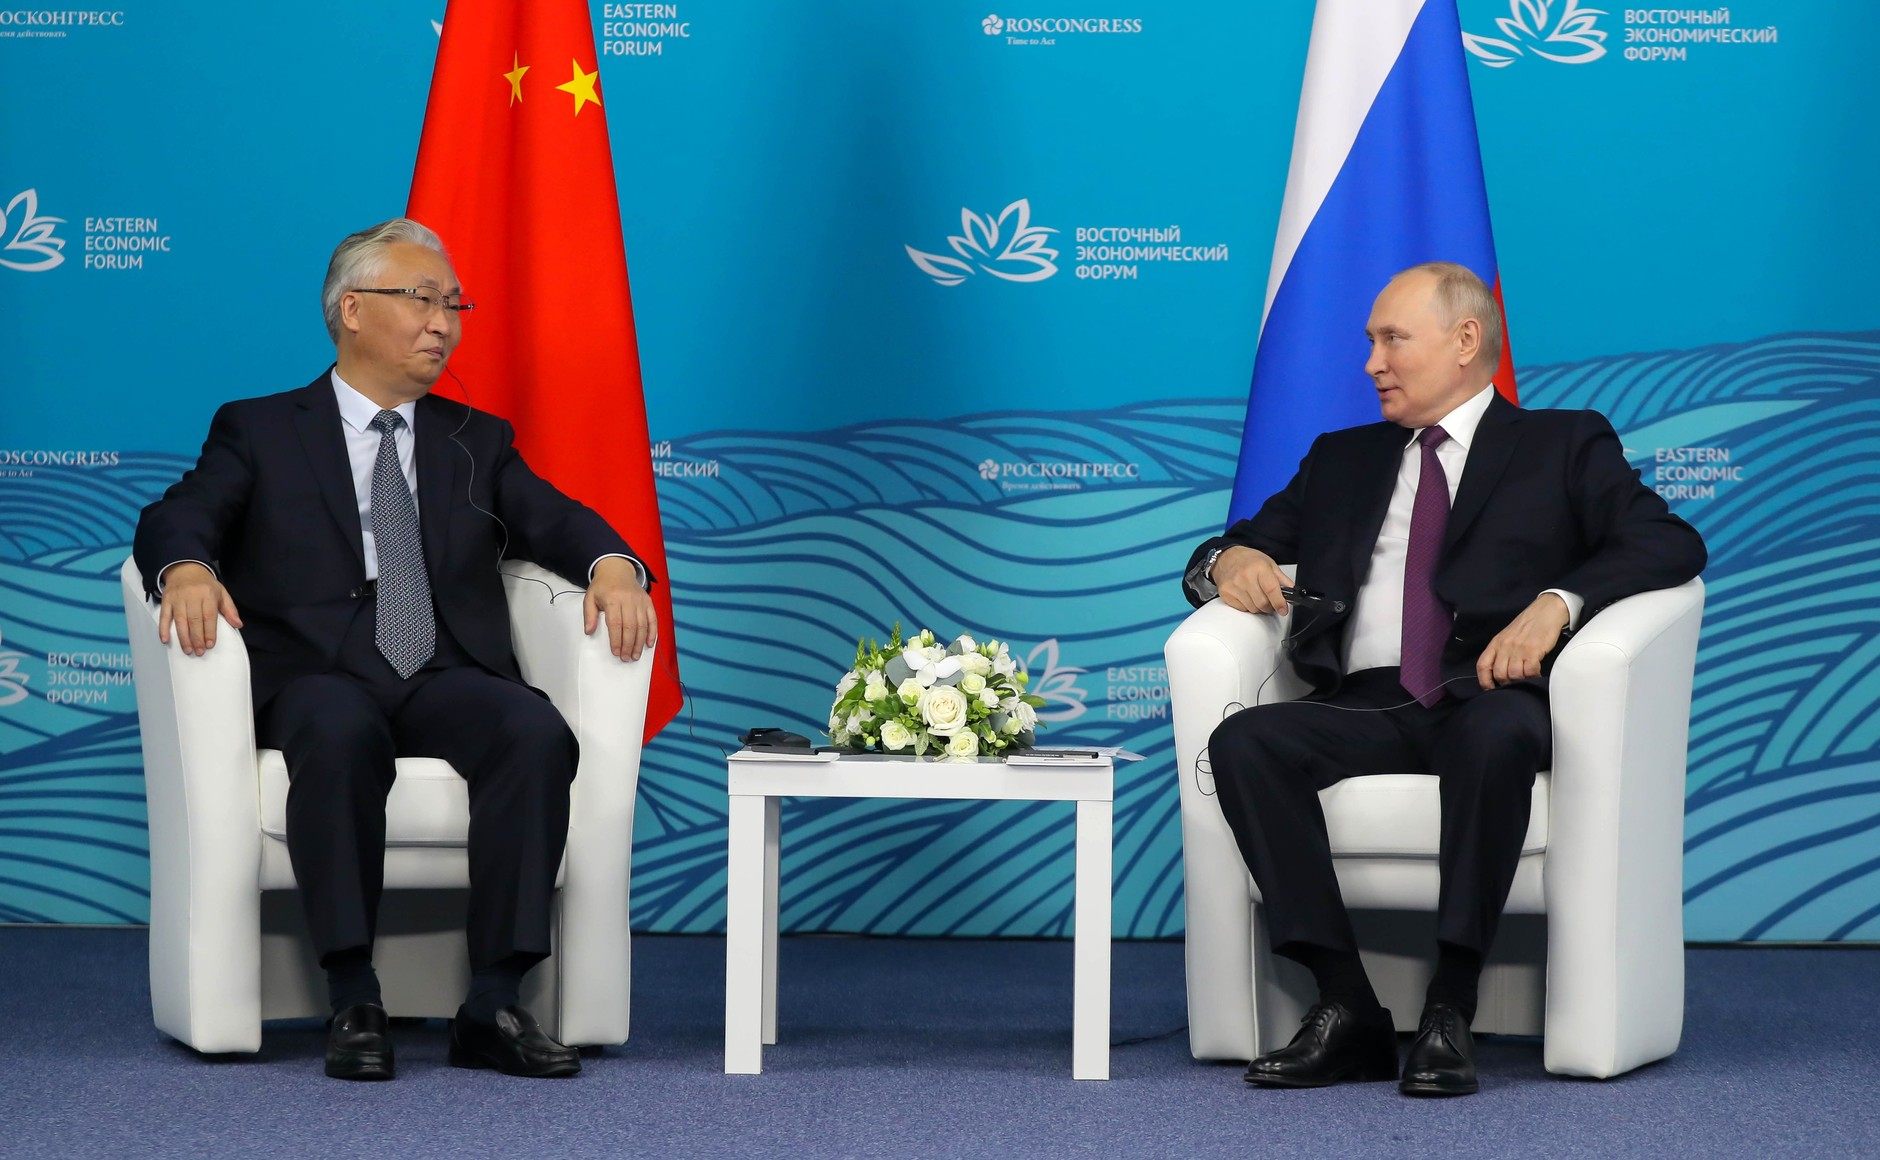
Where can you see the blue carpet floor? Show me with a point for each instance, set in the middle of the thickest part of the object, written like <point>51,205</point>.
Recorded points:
<point>918,1048</point>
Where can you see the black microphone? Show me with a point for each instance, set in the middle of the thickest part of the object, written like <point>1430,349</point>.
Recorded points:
<point>1305,597</point>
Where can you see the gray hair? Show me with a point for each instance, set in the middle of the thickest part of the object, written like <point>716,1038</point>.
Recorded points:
<point>361,257</point>
<point>1460,294</point>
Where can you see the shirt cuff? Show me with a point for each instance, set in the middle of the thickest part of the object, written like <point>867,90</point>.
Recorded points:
<point>1575,606</point>
<point>639,569</point>
<point>165,571</point>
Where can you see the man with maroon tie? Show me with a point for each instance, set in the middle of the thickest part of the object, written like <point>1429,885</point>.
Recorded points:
<point>1448,551</point>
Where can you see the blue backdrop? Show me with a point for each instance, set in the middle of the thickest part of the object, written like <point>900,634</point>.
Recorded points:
<point>1016,434</point>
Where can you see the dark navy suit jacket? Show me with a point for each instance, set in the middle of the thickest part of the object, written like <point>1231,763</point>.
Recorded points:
<point>1546,500</point>
<point>270,505</point>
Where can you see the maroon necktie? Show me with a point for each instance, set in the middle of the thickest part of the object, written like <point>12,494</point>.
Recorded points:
<point>1425,620</point>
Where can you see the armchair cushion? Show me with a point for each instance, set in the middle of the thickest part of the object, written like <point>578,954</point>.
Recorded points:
<point>1398,815</point>
<point>429,804</point>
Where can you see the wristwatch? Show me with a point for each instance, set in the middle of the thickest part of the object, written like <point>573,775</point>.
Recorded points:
<point>1207,566</point>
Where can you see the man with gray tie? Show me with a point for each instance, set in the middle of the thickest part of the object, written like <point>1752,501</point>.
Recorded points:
<point>352,530</point>
<point>1440,558</point>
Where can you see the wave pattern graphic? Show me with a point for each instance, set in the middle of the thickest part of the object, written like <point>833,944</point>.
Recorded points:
<point>1062,533</point>
<point>1783,802</point>
<point>73,845</point>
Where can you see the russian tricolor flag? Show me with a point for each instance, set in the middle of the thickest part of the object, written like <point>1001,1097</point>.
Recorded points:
<point>1386,172</point>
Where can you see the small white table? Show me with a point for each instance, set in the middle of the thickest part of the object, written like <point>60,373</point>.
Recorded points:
<point>759,782</point>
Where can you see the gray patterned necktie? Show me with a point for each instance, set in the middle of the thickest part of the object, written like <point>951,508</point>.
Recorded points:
<point>407,627</point>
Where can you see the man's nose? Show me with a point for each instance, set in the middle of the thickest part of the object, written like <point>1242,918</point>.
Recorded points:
<point>1374,365</point>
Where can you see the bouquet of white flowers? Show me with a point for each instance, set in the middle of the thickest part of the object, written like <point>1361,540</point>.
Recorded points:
<point>914,696</point>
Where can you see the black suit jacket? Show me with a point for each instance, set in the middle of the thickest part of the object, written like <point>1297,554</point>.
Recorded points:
<point>1546,500</point>
<point>270,505</point>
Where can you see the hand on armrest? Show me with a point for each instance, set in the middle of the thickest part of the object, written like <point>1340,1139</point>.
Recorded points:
<point>192,600</point>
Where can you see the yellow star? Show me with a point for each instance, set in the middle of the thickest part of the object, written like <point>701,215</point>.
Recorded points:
<point>581,87</point>
<point>514,77</point>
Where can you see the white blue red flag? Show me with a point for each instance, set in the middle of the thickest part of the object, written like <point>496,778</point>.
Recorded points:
<point>1386,173</point>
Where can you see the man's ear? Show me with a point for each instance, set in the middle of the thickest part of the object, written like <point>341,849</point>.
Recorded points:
<point>349,312</point>
<point>1468,341</point>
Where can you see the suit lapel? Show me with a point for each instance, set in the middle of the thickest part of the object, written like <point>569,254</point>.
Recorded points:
<point>1495,439</point>
<point>317,421</point>
<point>436,479</point>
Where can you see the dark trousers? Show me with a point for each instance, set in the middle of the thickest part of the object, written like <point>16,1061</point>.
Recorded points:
<point>340,732</point>
<point>1271,761</point>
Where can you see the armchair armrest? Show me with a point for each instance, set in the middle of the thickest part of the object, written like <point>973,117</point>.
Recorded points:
<point>1621,700</point>
<point>1218,658</point>
<point>604,702</point>
<point>198,731</point>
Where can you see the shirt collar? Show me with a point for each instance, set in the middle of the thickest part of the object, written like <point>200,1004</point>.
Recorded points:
<point>1459,424</point>
<point>358,411</point>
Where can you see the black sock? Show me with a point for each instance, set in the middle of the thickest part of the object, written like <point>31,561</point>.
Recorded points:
<point>350,979</point>
<point>1458,972</point>
<point>1340,976</point>
<point>494,987</point>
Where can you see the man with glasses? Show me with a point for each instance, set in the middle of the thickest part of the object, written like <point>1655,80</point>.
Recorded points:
<point>352,530</point>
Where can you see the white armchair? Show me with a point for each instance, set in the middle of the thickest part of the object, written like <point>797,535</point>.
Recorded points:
<point>228,945</point>
<point>1591,952</point>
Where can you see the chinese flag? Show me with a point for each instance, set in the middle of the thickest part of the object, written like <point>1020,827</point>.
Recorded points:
<point>515,174</point>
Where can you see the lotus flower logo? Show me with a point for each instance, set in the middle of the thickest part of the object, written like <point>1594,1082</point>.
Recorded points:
<point>1007,247</point>
<point>28,233</point>
<point>993,25</point>
<point>988,470</point>
<point>1064,701</point>
<point>1556,30</point>
<point>12,681</point>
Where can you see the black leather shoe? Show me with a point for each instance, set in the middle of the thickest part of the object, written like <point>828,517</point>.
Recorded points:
<point>359,1043</point>
<point>1332,1046</point>
<point>1442,1057</point>
<point>513,1045</point>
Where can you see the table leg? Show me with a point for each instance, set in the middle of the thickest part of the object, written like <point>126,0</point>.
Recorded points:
<point>1090,1003</point>
<point>744,936</point>
<point>773,818</point>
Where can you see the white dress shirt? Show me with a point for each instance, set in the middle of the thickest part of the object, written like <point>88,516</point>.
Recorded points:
<point>356,413</point>
<point>1374,638</point>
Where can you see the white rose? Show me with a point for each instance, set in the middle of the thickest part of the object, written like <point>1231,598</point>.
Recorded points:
<point>965,743</point>
<point>1026,716</point>
<point>1011,728</point>
<point>876,689</point>
<point>972,662</point>
<point>943,710</point>
<point>972,684</point>
<point>848,681</point>
<point>989,699</point>
<point>896,736</point>
<point>910,690</point>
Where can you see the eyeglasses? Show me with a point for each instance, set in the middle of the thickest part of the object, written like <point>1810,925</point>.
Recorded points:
<point>425,296</point>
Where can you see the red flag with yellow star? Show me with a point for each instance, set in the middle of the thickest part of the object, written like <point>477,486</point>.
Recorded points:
<point>515,174</point>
